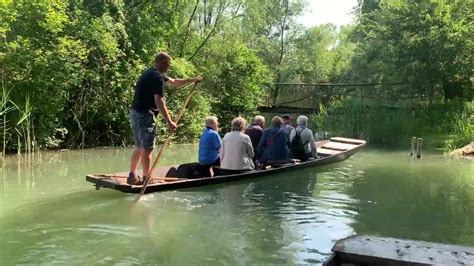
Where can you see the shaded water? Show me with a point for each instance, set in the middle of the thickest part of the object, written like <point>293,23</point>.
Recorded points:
<point>48,213</point>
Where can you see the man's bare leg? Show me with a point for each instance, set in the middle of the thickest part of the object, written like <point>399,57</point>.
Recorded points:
<point>146,159</point>
<point>135,159</point>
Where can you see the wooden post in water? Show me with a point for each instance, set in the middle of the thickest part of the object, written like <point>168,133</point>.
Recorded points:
<point>419,145</point>
<point>413,146</point>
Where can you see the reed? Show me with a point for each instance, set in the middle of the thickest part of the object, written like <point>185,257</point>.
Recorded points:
<point>461,128</point>
<point>443,125</point>
<point>5,108</point>
<point>21,129</point>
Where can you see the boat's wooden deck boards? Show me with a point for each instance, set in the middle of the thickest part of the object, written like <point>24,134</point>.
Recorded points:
<point>327,151</point>
<point>121,178</point>
<point>347,140</point>
<point>338,146</point>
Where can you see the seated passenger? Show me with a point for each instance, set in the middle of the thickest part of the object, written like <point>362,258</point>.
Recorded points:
<point>209,146</point>
<point>274,144</point>
<point>254,131</point>
<point>302,141</point>
<point>287,123</point>
<point>237,151</point>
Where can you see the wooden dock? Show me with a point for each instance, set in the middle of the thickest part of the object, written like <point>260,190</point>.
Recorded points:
<point>370,250</point>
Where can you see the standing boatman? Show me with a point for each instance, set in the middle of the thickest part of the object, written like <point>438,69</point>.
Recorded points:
<point>147,102</point>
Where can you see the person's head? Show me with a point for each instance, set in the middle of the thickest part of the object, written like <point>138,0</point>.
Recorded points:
<point>162,62</point>
<point>259,120</point>
<point>302,120</point>
<point>277,121</point>
<point>238,124</point>
<point>287,119</point>
<point>212,122</point>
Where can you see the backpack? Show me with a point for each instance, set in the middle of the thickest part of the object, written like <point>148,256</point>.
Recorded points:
<point>297,146</point>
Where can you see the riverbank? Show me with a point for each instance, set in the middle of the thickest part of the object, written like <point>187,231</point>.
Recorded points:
<point>466,151</point>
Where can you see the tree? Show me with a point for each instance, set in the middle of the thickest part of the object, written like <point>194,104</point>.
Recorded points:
<point>424,43</point>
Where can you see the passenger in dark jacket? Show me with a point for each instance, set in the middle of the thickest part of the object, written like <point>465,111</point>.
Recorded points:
<point>274,144</point>
<point>254,131</point>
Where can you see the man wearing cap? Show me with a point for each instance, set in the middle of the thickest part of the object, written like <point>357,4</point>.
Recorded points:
<point>148,101</point>
<point>287,124</point>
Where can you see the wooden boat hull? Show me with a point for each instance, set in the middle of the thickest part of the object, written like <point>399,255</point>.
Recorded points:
<point>177,177</point>
<point>372,250</point>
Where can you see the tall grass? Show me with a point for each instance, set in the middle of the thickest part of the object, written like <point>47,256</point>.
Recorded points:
<point>23,126</point>
<point>15,124</point>
<point>446,126</point>
<point>461,128</point>
<point>5,108</point>
<point>373,122</point>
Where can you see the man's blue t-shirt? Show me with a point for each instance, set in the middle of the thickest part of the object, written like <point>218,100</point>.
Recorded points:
<point>209,146</point>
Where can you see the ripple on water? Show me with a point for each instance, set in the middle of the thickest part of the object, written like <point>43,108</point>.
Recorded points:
<point>108,229</point>
<point>293,218</point>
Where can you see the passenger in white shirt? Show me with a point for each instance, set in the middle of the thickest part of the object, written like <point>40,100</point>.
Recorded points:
<point>237,151</point>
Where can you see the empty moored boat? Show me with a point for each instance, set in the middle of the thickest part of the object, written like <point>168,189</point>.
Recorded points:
<point>372,250</point>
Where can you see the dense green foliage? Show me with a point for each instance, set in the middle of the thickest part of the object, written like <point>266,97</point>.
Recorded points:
<point>428,46</point>
<point>77,62</point>
<point>68,67</point>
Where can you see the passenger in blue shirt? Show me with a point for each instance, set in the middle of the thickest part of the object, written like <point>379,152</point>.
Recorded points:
<point>209,146</point>
<point>274,144</point>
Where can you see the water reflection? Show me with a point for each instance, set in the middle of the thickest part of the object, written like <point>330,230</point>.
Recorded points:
<point>428,200</point>
<point>50,214</point>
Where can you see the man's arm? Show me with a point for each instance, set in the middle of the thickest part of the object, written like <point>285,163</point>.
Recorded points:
<point>261,145</point>
<point>292,134</point>
<point>250,151</point>
<point>181,82</point>
<point>312,145</point>
<point>222,150</point>
<point>164,112</point>
<point>217,142</point>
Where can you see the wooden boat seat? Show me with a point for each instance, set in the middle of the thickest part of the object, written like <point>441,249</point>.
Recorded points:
<point>326,152</point>
<point>347,140</point>
<point>338,146</point>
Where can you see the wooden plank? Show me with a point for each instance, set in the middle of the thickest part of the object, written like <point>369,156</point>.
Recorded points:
<point>126,176</point>
<point>338,146</point>
<point>320,143</point>
<point>121,178</point>
<point>348,140</point>
<point>370,250</point>
<point>326,151</point>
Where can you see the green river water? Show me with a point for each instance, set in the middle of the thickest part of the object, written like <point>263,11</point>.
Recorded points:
<point>50,214</point>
